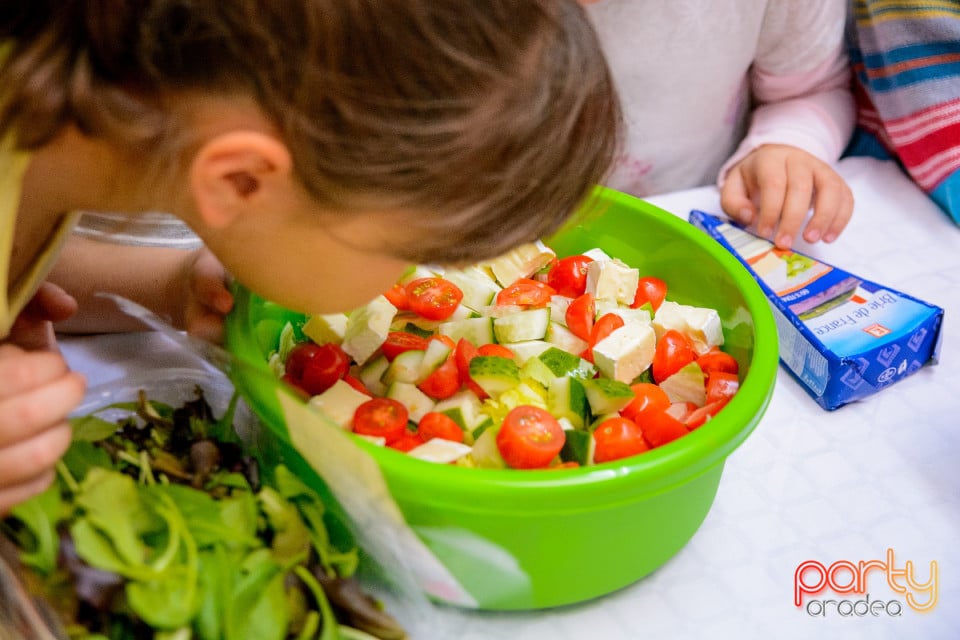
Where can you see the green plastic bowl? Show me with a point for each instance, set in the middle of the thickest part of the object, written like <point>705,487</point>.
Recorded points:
<point>537,539</point>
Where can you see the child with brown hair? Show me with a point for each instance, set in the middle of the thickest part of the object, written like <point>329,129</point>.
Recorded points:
<point>316,147</point>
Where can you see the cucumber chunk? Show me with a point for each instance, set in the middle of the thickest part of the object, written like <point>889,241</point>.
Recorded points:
<point>530,324</point>
<point>566,398</point>
<point>578,447</point>
<point>494,374</point>
<point>607,396</point>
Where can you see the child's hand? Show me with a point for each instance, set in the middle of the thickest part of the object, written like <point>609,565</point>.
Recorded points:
<point>774,187</point>
<point>208,298</point>
<point>37,392</point>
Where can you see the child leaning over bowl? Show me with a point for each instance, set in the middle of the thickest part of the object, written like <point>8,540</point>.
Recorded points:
<point>751,94</point>
<point>316,147</point>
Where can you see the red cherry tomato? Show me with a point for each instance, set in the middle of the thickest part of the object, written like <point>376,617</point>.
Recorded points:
<point>433,298</point>
<point>617,438</point>
<point>492,349</point>
<point>529,438</point>
<point>569,275</point>
<point>659,427</point>
<point>700,416</point>
<point>604,326</point>
<point>444,381</point>
<point>439,425</point>
<point>407,442</point>
<point>525,293</point>
<point>297,359</point>
<point>717,360</point>
<point>541,275</point>
<point>652,290</point>
<point>447,340</point>
<point>463,354</point>
<point>295,384</point>
<point>357,384</point>
<point>381,417</point>
<point>315,368</point>
<point>674,352</point>
<point>580,316</point>
<point>646,395</point>
<point>722,386</point>
<point>680,410</point>
<point>397,296</point>
<point>399,341</point>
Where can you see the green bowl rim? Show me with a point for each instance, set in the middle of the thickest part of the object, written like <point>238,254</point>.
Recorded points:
<point>651,472</point>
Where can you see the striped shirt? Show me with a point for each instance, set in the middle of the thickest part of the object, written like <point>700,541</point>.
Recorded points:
<point>906,61</point>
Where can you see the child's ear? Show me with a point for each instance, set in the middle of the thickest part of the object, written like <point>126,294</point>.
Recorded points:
<point>233,170</point>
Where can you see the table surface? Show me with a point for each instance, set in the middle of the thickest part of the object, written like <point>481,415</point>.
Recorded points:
<point>846,485</point>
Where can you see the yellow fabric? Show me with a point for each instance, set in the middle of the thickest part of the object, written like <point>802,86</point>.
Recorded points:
<point>15,295</point>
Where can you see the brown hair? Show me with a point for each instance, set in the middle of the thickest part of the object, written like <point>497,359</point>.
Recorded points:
<point>496,117</point>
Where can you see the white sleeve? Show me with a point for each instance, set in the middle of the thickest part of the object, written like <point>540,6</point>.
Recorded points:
<point>800,81</point>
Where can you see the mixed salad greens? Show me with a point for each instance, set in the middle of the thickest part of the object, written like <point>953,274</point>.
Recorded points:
<point>162,525</point>
<point>530,361</point>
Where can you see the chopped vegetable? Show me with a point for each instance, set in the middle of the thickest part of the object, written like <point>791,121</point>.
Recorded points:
<point>597,351</point>
<point>161,525</point>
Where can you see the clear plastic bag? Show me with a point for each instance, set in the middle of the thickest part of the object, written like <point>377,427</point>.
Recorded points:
<point>22,618</point>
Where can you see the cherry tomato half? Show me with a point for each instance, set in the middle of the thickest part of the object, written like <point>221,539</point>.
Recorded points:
<point>569,275</point>
<point>463,354</point>
<point>617,438</point>
<point>399,341</point>
<point>493,349</point>
<point>580,316</point>
<point>433,298</point>
<point>700,416</point>
<point>526,293</point>
<point>604,326</point>
<point>529,438</point>
<point>397,295</point>
<point>357,384</point>
<point>717,360</point>
<point>381,417</point>
<point>652,290</point>
<point>439,425</point>
<point>645,395</point>
<point>659,427</point>
<point>316,367</point>
<point>407,442</point>
<point>674,352</point>
<point>722,386</point>
<point>444,381</point>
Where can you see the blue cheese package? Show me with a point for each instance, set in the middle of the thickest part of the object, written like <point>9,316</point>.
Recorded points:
<point>843,337</point>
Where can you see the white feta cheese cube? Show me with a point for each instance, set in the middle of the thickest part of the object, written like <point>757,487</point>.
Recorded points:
<point>597,254</point>
<point>367,328</point>
<point>704,328</point>
<point>626,352</point>
<point>558,308</point>
<point>440,451</point>
<point>339,403</point>
<point>701,325</point>
<point>326,328</point>
<point>559,336</point>
<point>612,279</point>
<point>418,403</point>
<point>521,262</point>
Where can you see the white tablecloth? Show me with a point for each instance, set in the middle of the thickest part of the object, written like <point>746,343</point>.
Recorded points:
<point>807,485</point>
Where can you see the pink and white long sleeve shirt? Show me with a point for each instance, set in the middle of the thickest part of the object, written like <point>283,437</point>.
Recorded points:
<point>704,82</point>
